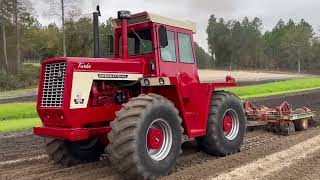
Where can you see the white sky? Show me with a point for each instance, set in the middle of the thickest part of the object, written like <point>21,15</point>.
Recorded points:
<point>198,11</point>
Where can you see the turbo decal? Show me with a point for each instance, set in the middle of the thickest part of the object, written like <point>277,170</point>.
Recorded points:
<point>84,66</point>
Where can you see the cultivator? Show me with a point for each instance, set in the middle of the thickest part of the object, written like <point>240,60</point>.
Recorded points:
<point>281,120</point>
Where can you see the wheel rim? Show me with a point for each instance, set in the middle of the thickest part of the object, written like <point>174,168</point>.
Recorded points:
<point>159,139</point>
<point>230,124</point>
<point>305,123</point>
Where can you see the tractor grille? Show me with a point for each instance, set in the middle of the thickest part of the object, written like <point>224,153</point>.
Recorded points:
<point>53,86</point>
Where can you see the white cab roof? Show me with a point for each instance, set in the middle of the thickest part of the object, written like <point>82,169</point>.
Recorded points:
<point>146,16</point>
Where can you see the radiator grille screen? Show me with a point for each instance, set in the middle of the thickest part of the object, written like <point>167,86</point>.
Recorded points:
<point>53,86</point>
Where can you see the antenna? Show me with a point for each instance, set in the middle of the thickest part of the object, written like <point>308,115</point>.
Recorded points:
<point>96,40</point>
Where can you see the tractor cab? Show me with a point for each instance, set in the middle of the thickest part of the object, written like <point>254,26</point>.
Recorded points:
<point>166,44</point>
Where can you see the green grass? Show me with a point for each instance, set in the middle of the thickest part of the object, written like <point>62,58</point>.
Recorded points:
<point>276,88</point>
<point>17,111</point>
<point>14,125</point>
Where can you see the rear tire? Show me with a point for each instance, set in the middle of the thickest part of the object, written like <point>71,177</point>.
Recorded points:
<point>226,125</point>
<point>72,153</point>
<point>301,124</point>
<point>129,149</point>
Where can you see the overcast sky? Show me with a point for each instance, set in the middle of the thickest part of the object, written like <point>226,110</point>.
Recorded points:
<point>198,11</point>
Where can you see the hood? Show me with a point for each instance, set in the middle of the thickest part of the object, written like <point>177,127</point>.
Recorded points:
<point>116,65</point>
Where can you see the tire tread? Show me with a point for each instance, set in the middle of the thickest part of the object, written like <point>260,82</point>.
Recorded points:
<point>121,150</point>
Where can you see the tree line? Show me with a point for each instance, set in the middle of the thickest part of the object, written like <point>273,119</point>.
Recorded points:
<point>289,46</point>
<point>232,44</point>
<point>24,38</point>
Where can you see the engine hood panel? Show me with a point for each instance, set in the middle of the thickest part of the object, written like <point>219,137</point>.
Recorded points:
<point>114,65</point>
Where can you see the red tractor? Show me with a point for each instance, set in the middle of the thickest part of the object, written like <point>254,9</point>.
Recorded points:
<point>140,105</point>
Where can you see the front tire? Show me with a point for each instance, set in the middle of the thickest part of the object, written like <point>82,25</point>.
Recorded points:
<point>72,153</point>
<point>146,137</point>
<point>226,125</point>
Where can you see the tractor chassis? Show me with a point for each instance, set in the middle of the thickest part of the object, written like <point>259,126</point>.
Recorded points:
<point>72,134</point>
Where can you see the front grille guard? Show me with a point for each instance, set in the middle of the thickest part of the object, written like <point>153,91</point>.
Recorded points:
<point>53,85</point>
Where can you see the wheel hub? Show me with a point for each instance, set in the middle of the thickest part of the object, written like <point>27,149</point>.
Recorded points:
<point>155,138</point>
<point>159,139</point>
<point>227,123</point>
<point>230,124</point>
<point>305,123</point>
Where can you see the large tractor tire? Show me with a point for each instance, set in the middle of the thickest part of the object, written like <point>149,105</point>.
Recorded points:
<point>73,153</point>
<point>226,125</point>
<point>301,124</point>
<point>146,137</point>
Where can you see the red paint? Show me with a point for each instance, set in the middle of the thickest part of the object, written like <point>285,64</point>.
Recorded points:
<point>191,97</point>
<point>124,28</point>
<point>154,138</point>
<point>227,123</point>
<point>71,134</point>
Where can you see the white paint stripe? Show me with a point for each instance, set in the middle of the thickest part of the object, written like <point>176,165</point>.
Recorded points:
<point>3,163</point>
<point>272,163</point>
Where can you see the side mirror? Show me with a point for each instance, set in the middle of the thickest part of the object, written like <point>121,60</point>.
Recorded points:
<point>163,38</point>
<point>110,44</point>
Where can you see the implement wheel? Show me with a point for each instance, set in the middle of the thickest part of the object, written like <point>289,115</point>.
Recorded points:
<point>287,128</point>
<point>73,153</point>
<point>146,137</point>
<point>301,124</point>
<point>226,125</point>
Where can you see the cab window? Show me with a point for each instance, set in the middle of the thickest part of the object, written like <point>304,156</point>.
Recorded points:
<point>185,48</point>
<point>168,53</point>
<point>139,42</point>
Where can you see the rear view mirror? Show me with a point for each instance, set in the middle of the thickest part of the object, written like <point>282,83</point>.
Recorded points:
<point>110,44</point>
<point>163,38</point>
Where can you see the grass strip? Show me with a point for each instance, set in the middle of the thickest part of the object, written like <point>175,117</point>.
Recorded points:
<point>14,125</point>
<point>18,111</point>
<point>276,88</point>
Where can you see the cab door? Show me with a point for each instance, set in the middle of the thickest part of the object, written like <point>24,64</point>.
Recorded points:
<point>195,96</point>
<point>168,55</point>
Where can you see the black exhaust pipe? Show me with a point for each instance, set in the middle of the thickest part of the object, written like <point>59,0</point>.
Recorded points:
<point>96,46</point>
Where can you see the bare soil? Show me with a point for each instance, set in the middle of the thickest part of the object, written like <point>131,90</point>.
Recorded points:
<point>22,156</point>
<point>247,77</point>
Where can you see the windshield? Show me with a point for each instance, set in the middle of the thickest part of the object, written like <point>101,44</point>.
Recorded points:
<point>139,42</point>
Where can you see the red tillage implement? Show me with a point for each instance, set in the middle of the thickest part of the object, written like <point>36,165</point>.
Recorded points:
<point>282,119</point>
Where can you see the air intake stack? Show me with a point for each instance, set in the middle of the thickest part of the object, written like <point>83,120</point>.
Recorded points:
<point>96,33</point>
<point>124,16</point>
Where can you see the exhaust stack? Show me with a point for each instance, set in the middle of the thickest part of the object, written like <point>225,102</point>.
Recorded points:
<point>96,45</point>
